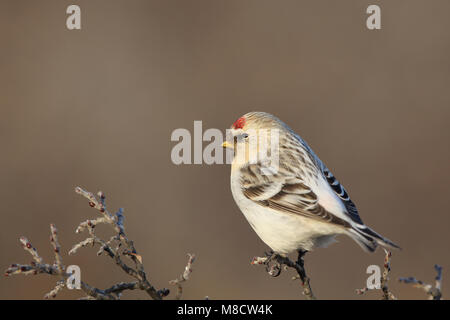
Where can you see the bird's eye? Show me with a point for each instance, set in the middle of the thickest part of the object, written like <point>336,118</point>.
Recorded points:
<point>245,135</point>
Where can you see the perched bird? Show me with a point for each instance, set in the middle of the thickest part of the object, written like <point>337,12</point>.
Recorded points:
<point>298,206</point>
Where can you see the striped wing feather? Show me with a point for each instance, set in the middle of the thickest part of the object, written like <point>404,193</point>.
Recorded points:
<point>286,193</point>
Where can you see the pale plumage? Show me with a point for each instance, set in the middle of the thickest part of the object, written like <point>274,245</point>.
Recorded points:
<point>302,205</point>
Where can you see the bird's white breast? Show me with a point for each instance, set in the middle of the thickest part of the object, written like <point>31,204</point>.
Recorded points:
<point>283,232</point>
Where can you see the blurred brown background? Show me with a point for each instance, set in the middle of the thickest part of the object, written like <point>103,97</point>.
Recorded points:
<point>96,108</point>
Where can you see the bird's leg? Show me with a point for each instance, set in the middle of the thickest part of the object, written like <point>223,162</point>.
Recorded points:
<point>278,260</point>
<point>301,265</point>
<point>269,255</point>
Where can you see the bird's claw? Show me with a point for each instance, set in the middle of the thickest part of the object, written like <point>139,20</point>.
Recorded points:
<point>273,269</point>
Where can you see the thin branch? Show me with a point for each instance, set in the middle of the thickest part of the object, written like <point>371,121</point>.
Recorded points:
<point>56,249</point>
<point>184,276</point>
<point>39,267</point>
<point>434,293</point>
<point>387,294</point>
<point>384,278</point>
<point>118,247</point>
<point>116,222</point>
<point>274,269</point>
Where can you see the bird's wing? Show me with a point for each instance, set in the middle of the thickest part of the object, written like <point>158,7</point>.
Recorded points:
<point>343,195</point>
<point>286,193</point>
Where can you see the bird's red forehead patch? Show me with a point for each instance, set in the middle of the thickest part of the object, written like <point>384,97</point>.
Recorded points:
<point>239,123</point>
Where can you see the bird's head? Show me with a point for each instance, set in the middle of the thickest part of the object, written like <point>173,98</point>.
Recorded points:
<point>253,137</point>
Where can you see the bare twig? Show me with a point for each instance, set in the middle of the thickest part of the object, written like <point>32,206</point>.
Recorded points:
<point>434,293</point>
<point>387,294</point>
<point>38,266</point>
<point>384,278</point>
<point>58,269</point>
<point>184,276</point>
<point>127,246</point>
<point>124,247</point>
<point>274,269</point>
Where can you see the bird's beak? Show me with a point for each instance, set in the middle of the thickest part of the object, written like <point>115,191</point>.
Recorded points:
<point>228,145</point>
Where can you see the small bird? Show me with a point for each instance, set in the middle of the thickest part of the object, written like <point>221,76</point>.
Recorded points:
<point>300,205</point>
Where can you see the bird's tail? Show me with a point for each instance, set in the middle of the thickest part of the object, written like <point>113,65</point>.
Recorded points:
<point>369,239</point>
